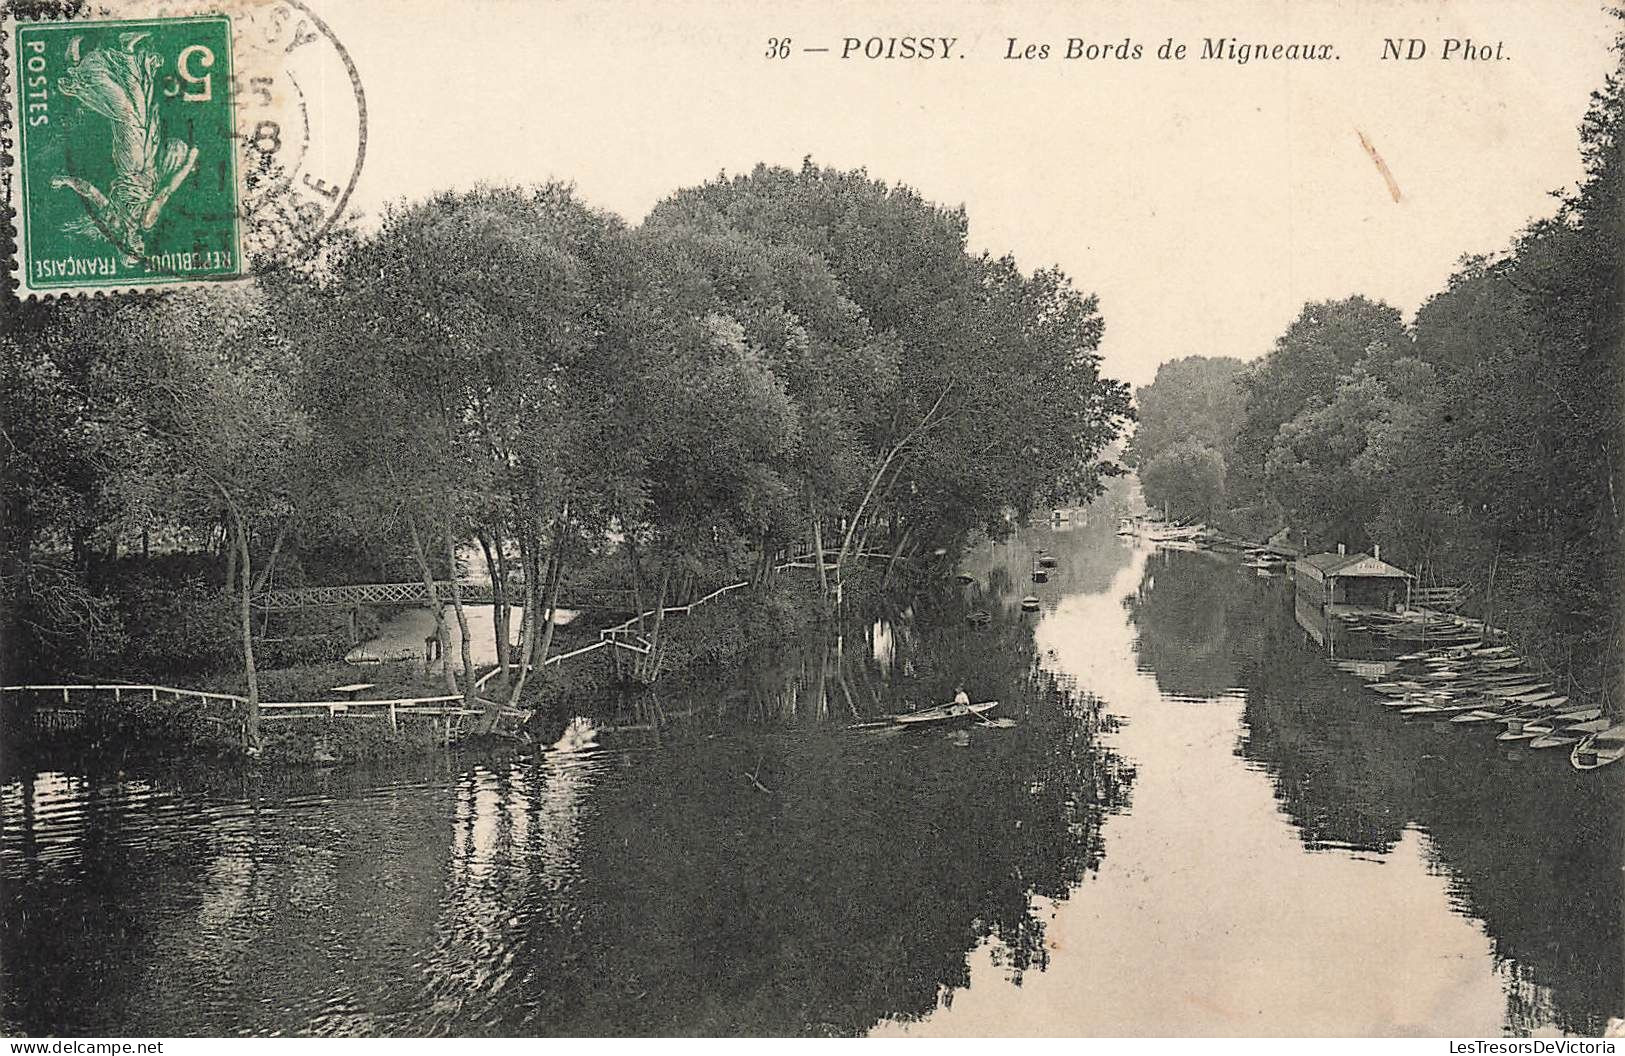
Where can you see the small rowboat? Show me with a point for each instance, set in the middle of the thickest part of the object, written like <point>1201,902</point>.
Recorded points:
<point>1516,690</point>
<point>1029,603</point>
<point>1599,749</point>
<point>979,618</point>
<point>1473,717</point>
<point>944,713</point>
<point>1442,708</point>
<point>1522,728</point>
<point>1558,730</point>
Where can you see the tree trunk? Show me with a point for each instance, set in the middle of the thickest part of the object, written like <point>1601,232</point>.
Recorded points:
<point>929,420</point>
<point>896,553</point>
<point>527,633</point>
<point>649,664</point>
<point>462,617</point>
<point>497,570</point>
<point>858,516</point>
<point>264,577</point>
<point>229,580</point>
<point>554,582</point>
<point>818,555</point>
<point>501,598</point>
<point>528,543</point>
<point>637,578</point>
<point>442,635</point>
<point>251,717</point>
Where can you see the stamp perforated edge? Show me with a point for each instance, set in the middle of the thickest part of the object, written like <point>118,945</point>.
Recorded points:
<point>12,214</point>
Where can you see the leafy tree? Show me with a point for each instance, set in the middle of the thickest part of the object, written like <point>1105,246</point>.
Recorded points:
<point>1186,479</point>
<point>456,368</point>
<point>1194,398</point>
<point>1320,346</point>
<point>975,388</point>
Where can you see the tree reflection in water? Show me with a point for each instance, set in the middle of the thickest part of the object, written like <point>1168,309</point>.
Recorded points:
<point>732,860</point>
<point>805,878</point>
<point>1529,847</point>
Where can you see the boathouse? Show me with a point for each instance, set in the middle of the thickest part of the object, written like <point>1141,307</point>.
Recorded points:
<point>1356,580</point>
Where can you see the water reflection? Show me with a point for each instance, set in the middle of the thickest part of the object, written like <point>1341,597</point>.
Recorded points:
<point>1184,609</point>
<point>729,860</point>
<point>1197,826</point>
<point>1524,844</point>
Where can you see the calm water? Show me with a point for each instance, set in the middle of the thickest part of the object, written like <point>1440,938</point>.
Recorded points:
<point>1196,827</point>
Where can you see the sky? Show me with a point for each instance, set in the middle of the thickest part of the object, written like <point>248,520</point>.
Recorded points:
<point>1203,200</point>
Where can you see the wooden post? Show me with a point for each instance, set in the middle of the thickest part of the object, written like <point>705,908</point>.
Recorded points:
<point>393,724</point>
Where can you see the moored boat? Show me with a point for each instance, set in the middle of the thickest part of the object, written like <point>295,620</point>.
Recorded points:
<point>1599,749</point>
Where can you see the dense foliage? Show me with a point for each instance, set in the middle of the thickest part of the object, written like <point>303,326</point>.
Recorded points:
<point>1186,438</point>
<point>770,363</point>
<point>1479,446</point>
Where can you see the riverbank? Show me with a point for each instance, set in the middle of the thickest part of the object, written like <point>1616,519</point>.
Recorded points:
<point>191,719</point>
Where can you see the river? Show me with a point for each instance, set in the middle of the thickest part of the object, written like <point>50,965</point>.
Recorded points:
<point>1196,826</point>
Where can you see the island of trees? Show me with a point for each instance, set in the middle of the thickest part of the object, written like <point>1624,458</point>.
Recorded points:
<point>769,364</point>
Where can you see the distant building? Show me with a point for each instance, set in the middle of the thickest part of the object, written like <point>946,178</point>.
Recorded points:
<point>1357,580</point>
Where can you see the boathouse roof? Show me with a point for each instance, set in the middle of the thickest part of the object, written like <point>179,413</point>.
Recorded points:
<point>1342,566</point>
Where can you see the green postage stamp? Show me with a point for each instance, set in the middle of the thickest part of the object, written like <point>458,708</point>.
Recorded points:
<point>124,159</point>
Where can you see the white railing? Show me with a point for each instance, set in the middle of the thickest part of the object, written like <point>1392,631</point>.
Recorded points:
<point>392,709</point>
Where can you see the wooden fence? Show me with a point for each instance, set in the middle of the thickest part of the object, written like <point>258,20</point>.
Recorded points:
<point>63,707</point>
<point>450,710</point>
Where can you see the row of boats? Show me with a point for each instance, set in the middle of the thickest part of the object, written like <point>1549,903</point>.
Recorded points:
<point>1043,563</point>
<point>1264,561</point>
<point>1169,535</point>
<point>1473,685</point>
<point>1418,627</point>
